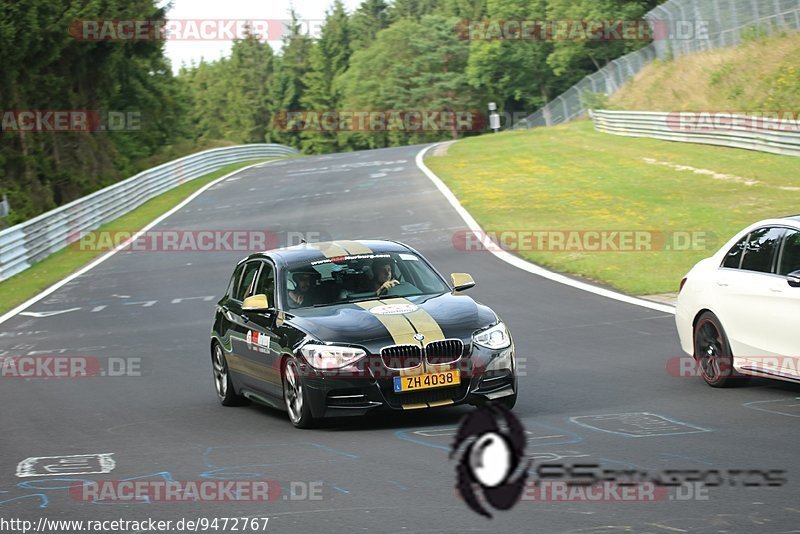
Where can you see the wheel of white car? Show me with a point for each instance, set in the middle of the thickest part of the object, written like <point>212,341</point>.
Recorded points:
<point>713,353</point>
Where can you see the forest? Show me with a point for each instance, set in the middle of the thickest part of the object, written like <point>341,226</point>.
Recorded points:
<point>403,56</point>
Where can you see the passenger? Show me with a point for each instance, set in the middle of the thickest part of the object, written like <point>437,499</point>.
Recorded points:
<point>303,283</point>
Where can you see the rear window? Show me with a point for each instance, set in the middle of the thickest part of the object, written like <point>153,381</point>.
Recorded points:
<point>790,256</point>
<point>761,249</point>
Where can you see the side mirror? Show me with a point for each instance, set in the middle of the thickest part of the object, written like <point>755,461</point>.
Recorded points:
<point>793,278</point>
<point>256,303</point>
<point>461,281</point>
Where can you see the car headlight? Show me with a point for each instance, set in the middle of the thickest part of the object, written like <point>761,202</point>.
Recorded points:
<point>330,356</point>
<point>494,337</point>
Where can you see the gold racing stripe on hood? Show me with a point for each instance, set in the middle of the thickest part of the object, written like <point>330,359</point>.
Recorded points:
<point>422,321</point>
<point>354,247</point>
<point>399,328</point>
<point>329,250</point>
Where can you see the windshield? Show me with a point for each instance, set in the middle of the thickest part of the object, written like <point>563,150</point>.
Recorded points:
<point>359,277</point>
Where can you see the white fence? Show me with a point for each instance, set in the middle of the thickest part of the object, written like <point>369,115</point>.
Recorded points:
<point>738,131</point>
<point>27,243</point>
<point>679,27</point>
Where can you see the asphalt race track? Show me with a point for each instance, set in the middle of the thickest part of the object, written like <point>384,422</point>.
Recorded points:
<point>584,356</point>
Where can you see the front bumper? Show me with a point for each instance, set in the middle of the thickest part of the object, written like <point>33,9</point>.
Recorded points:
<point>368,385</point>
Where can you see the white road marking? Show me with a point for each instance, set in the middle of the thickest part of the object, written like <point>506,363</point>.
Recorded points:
<point>144,303</point>
<point>519,262</point>
<point>27,333</point>
<point>61,283</point>
<point>208,298</point>
<point>436,432</point>
<point>77,464</point>
<point>636,424</point>
<point>49,313</point>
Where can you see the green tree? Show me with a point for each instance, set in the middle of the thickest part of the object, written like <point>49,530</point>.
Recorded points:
<point>574,58</point>
<point>515,73</point>
<point>370,18</point>
<point>288,82</point>
<point>329,58</point>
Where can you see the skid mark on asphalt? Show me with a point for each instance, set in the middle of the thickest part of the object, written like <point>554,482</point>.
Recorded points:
<point>669,456</point>
<point>787,407</point>
<point>537,435</point>
<point>44,501</point>
<point>636,424</point>
<point>61,485</point>
<point>250,458</point>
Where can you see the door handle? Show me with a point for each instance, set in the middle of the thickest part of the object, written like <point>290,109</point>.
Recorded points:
<point>245,318</point>
<point>722,284</point>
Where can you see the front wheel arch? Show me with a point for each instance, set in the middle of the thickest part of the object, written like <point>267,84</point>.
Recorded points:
<point>719,351</point>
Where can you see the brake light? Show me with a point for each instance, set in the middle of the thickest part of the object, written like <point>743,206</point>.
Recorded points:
<point>683,282</point>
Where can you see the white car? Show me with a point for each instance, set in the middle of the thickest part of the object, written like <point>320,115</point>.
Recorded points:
<point>738,312</point>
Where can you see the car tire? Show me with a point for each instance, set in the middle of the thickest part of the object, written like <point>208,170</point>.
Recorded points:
<point>294,396</point>
<point>222,379</point>
<point>509,401</point>
<point>713,353</point>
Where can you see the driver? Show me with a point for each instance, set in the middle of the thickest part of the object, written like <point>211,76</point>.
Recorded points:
<point>303,281</point>
<point>382,275</point>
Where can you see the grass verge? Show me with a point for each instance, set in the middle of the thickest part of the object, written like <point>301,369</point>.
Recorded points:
<point>47,272</point>
<point>571,178</point>
<point>760,74</point>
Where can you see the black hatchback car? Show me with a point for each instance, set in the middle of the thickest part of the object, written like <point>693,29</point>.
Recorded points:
<point>345,327</point>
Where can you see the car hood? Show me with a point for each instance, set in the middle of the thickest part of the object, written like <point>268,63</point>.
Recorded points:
<point>376,323</point>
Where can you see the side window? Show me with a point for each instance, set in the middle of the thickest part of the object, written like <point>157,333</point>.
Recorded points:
<point>266,283</point>
<point>734,256</point>
<point>761,249</point>
<point>790,257</point>
<point>250,271</point>
<point>234,280</point>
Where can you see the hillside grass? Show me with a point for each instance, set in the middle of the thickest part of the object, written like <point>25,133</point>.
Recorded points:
<point>573,178</point>
<point>762,74</point>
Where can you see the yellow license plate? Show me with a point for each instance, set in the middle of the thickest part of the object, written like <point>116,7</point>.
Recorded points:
<point>427,381</point>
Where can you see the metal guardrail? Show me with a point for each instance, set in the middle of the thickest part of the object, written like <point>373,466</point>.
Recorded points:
<point>737,131</point>
<point>723,22</point>
<point>32,241</point>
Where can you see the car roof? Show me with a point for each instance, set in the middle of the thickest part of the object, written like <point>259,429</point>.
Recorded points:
<point>308,252</point>
<point>793,217</point>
